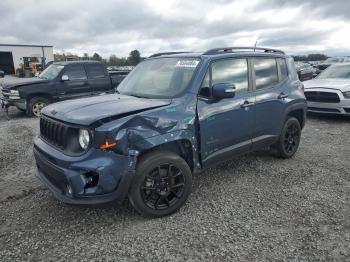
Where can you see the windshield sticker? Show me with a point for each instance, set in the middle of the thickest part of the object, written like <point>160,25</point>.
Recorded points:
<point>187,63</point>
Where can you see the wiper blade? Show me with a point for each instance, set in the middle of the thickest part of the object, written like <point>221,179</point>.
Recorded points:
<point>138,96</point>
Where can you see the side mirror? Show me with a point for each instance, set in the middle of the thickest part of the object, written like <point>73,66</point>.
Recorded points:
<point>224,90</point>
<point>65,78</point>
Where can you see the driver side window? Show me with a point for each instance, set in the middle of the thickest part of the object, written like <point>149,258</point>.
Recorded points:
<point>230,71</point>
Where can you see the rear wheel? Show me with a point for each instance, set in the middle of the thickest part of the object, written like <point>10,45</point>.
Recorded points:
<point>162,184</point>
<point>35,105</point>
<point>289,140</point>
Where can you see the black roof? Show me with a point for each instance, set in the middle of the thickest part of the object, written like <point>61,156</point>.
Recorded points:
<point>77,62</point>
<point>224,50</point>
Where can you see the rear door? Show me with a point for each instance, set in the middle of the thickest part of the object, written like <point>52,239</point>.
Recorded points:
<point>271,94</point>
<point>98,78</point>
<point>226,125</point>
<point>77,84</point>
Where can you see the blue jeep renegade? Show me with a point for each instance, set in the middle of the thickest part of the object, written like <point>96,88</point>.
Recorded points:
<point>174,115</point>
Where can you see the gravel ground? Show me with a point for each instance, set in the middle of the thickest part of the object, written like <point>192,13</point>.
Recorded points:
<point>254,208</point>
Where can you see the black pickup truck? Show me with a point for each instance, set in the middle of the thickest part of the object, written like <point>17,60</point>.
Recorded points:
<point>60,81</point>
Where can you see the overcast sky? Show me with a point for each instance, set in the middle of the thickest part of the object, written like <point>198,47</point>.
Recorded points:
<point>117,27</point>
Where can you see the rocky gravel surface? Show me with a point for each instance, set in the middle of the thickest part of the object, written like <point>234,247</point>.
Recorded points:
<point>253,208</point>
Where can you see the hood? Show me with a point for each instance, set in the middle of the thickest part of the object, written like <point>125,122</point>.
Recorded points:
<point>17,82</point>
<point>339,84</point>
<point>86,111</point>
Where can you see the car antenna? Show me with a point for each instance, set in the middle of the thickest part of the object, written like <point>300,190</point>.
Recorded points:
<point>256,42</point>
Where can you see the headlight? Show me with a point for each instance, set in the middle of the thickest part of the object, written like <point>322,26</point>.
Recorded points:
<point>14,94</point>
<point>84,138</point>
<point>346,94</point>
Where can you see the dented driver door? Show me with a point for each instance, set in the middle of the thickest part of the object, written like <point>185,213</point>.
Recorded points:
<point>226,125</point>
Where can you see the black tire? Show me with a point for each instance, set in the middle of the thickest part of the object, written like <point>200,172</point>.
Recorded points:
<point>156,192</point>
<point>289,140</point>
<point>35,105</point>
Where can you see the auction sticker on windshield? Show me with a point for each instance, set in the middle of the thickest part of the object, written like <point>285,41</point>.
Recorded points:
<point>187,63</point>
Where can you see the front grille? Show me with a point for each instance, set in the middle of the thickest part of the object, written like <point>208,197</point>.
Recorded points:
<point>325,97</point>
<point>5,93</point>
<point>54,132</point>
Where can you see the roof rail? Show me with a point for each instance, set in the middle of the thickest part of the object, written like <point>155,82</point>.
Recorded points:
<point>167,53</point>
<point>240,48</point>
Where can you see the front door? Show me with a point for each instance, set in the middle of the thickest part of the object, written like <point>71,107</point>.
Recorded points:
<point>77,84</point>
<point>226,125</point>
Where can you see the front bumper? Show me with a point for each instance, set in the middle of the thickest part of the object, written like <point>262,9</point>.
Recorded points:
<point>68,177</point>
<point>19,103</point>
<point>340,108</point>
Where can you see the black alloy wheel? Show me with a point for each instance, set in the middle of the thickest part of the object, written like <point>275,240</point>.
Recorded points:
<point>161,185</point>
<point>289,140</point>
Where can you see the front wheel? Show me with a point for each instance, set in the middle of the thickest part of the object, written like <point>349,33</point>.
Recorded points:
<point>35,105</point>
<point>289,140</point>
<point>162,184</point>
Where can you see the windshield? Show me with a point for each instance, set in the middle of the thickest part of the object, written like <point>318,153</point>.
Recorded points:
<point>51,72</point>
<point>159,78</point>
<point>336,72</point>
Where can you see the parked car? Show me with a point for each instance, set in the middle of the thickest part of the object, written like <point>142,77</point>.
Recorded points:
<point>305,71</point>
<point>175,115</point>
<point>60,81</point>
<point>330,92</point>
<point>2,74</point>
<point>333,60</point>
<point>118,76</point>
<point>315,70</point>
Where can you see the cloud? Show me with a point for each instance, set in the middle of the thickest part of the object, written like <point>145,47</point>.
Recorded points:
<point>116,27</point>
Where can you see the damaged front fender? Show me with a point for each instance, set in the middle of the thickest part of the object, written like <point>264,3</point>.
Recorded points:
<point>173,124</point>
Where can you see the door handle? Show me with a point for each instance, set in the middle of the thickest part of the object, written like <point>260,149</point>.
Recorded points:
<point>246,103</point>
<point>282,96</point>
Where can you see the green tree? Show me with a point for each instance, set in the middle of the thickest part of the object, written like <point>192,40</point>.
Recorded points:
<point>86,56</point>
<point>96,57</point>
<point>113,60</point>
<point>134,58</point>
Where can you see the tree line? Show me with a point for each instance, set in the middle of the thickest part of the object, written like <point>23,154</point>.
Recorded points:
<point>135,57</point>
<point>310,57</point>
<point>132,60</point>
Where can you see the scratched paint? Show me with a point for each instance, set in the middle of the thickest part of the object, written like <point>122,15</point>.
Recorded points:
<point>187,119</point>
<point>170,110</point>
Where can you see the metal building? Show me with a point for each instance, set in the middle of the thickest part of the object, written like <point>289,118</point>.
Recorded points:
<point>12,56</point>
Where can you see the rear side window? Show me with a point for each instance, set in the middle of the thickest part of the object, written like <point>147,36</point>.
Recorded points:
<point>233,71</point>
<point>283,68</point>
<point>266,74</point>
<point>75,72</point>
<point>95,71</point>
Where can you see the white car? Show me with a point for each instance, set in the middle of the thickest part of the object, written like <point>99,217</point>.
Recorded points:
<point>329,92</point>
